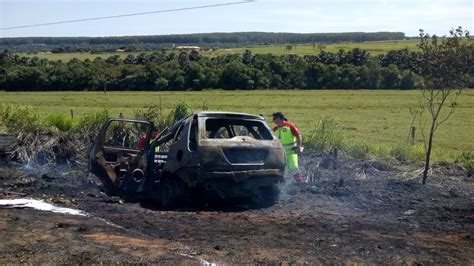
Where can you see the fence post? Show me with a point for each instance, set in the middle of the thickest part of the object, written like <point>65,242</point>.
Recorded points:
<point>159,98</point>
<point>72,114</point>
<point>412,135</point>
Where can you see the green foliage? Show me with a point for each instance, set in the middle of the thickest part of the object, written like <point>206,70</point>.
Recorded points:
<point>417,152</point>
<point>400,151</point>
<point>378,116</point>
<point>357,149</point>
<point>446,66</point>
<point>466,159</point>
<point>446,63</point>
<point>163,120</point>
<point>325,136</point>
<point>161,83</point>
<point>235,39</point>
<point>152,113</point>
<point>343,69</point>
<point>26,119</point>
<point>92,122</point>
<point>181,111</point>
<point>410,80</point>
<point>155,115</point>
<point>61,122</point>
<point>405,152</point>
<point>205,106</point>
<point>20,119</point>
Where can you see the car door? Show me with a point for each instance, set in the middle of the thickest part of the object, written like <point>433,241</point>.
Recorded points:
<point>179,153</point>
<point>118,156</point>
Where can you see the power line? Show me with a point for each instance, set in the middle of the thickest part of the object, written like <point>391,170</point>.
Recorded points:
<point>127,15</point>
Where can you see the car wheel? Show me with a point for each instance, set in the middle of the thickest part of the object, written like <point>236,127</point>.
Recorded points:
<point>172,192</point>
<point>266,196</point>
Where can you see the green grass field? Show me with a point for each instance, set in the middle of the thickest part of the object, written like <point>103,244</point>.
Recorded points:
<point>380,117</point>
<point>374,48</point>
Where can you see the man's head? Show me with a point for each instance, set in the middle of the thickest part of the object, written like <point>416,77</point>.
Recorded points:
<point>279,118</point>
<point>154,133</point>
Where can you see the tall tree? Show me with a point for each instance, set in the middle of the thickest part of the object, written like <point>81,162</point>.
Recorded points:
<point>247,57</point>
<point>446,64</point>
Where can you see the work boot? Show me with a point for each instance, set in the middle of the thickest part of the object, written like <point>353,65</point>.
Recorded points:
<point>298,178</point>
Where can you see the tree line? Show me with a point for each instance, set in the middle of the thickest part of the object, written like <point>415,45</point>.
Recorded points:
<point>209,40</point>
<point>164,70</point>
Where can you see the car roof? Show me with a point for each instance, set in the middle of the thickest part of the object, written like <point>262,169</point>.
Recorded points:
<point>221,114</point>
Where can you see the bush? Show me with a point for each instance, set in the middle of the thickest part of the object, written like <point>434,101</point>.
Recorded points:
<point>325,137</point>
<point>400,151</point>
<point>153,114</point>
<point>161,83</point>
<point>181,110</point>
<point>405,151</point>
<point>466,159</point>
<point>20,118</point>
<point>92,122</point>
<point>62,122</point>
<point>417,152</point>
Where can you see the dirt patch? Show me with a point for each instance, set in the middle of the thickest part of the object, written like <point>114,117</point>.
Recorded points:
<point>358,212</point>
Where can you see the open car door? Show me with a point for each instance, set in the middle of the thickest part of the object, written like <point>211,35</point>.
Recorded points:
<point>118,156</point>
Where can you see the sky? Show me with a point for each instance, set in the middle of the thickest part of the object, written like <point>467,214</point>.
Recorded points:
<point>300,16</point>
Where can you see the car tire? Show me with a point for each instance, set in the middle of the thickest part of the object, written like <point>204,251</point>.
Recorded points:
<point>172,192</point>
<point>266,196</point>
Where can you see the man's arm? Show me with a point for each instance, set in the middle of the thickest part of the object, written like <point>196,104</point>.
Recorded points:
<point>299,143</point>
<point>299,139</point>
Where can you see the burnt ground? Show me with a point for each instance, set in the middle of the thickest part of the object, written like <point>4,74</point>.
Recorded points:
<point>363,212</point>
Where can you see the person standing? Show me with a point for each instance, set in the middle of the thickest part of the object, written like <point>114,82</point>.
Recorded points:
<point>153,137</point>
<point>290,137</point>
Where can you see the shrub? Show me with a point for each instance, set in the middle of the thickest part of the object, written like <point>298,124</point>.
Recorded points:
<point>161,83</point>
<point>466,159</point>
<point>417,152</point>
<point>20,118</point>
<point>325,137</point>
<point>92,122</point>
<point>400,151</point>
<point>181,110</point>
<point>405,151</point>
<point>153,114</point>
<point>62,122</point>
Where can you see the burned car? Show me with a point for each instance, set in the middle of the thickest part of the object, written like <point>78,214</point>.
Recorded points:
<point>231,156</point>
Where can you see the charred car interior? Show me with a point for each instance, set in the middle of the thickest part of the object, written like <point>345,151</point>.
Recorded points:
<point>231,156</point>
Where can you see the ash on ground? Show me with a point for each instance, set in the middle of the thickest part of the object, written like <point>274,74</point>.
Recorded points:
<point>348,211</point>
